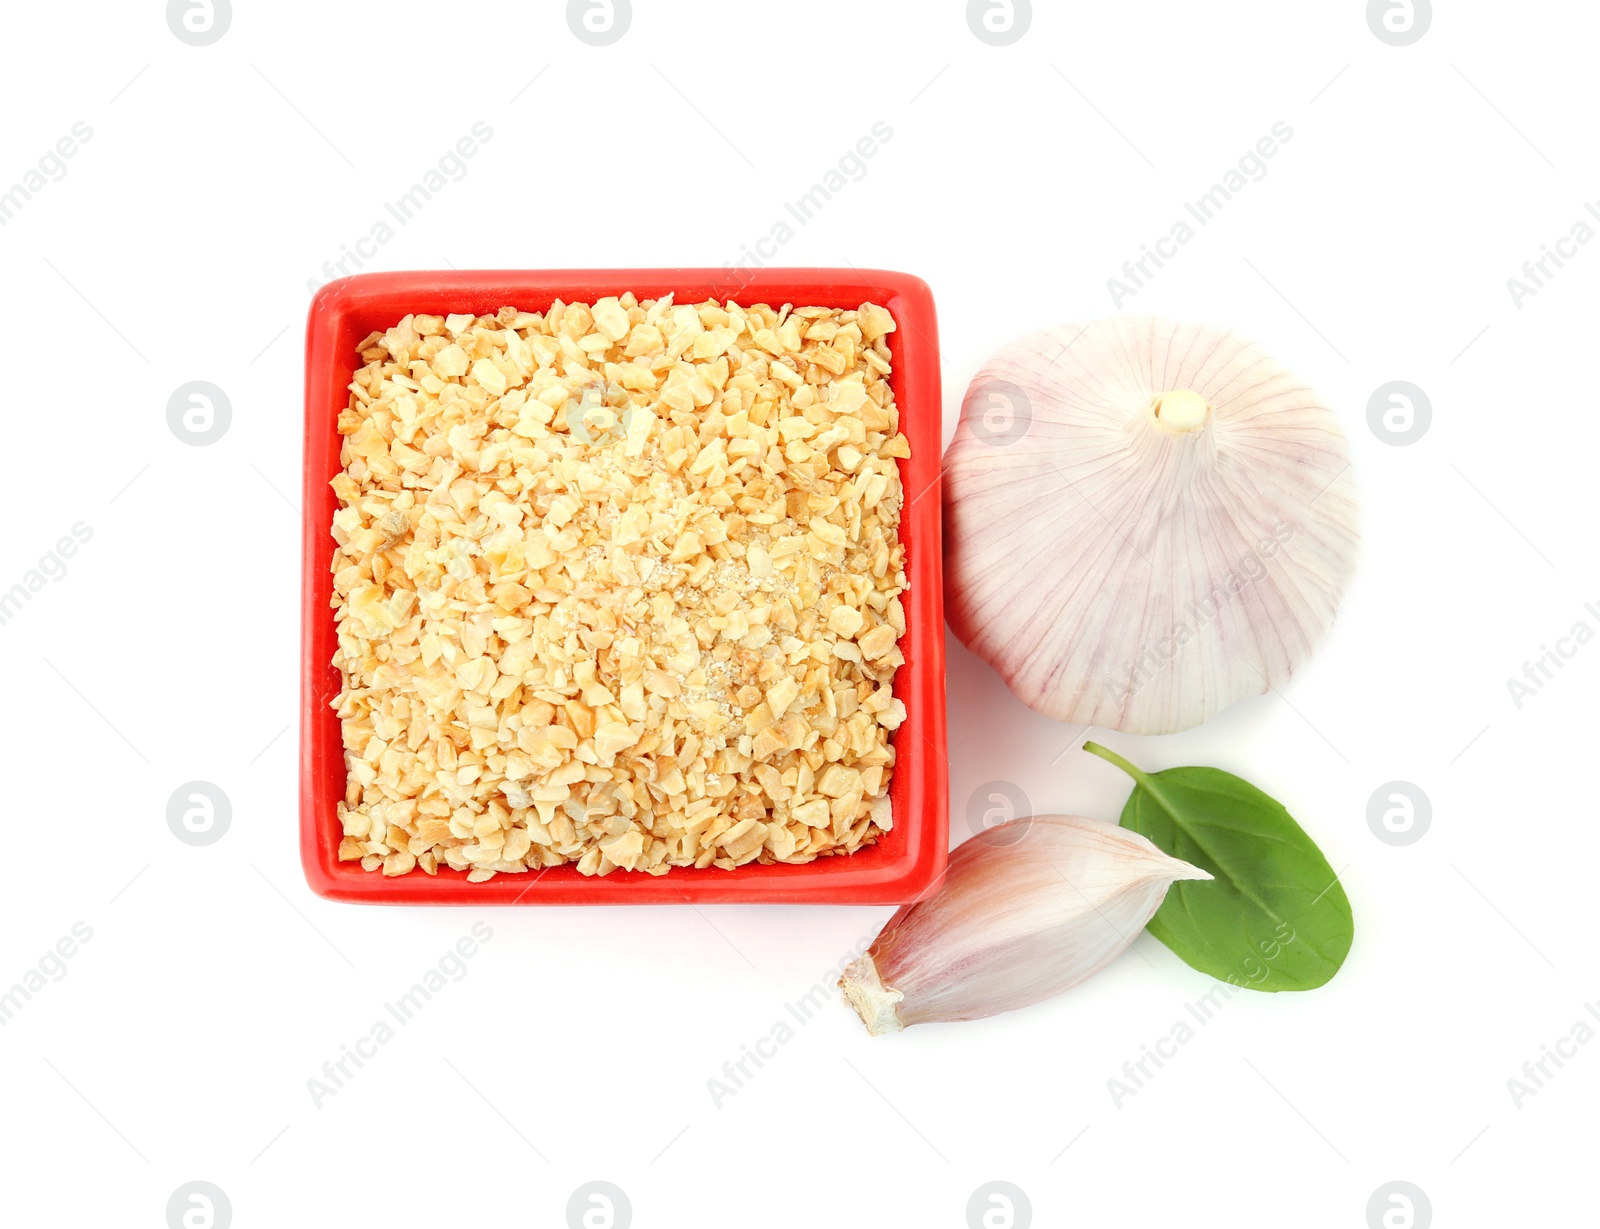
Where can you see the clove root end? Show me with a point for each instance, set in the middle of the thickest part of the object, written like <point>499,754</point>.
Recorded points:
<point>872,1000</point>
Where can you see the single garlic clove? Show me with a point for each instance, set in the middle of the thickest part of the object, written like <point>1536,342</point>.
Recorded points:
<point>1160,523</point>
<point>1028,909</point>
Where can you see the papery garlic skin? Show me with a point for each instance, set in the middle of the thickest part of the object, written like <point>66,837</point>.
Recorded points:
<point>1026,910</point>
<point>1164,529</point>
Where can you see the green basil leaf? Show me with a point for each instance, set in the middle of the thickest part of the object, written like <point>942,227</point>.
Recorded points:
<point>1275,916</point>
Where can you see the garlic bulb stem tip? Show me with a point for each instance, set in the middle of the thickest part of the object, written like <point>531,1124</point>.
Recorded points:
<point>1180,411</point>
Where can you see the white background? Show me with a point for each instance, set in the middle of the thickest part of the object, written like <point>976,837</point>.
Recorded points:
<point>178,246</point>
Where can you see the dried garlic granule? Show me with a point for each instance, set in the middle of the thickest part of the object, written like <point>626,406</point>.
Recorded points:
<point>619,585</point>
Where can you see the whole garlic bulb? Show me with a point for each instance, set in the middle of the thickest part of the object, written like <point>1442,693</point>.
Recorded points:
<point>1145,522</point>
<point>1027,909</point>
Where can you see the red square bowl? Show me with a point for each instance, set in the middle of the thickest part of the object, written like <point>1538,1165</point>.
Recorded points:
<point>906,862</point>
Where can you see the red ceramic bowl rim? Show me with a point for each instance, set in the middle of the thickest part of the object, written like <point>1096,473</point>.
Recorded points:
<point>906,862</point>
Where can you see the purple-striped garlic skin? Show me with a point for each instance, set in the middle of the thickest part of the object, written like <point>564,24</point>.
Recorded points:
<point>1026,910</point>
<point>1144,522</point>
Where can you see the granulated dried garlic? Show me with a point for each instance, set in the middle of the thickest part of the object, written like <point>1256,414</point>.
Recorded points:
<point>618,585</point>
